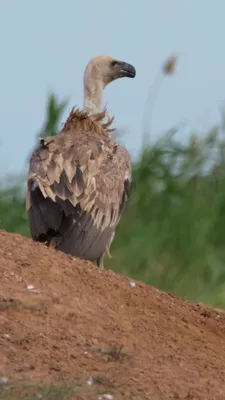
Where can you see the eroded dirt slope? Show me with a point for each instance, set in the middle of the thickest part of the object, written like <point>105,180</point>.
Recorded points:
<point>79,322</point>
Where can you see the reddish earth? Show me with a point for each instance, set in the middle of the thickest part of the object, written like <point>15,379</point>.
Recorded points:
<point>80,322</point>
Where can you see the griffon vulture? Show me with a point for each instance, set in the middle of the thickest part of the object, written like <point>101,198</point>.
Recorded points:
<point>78,181</point>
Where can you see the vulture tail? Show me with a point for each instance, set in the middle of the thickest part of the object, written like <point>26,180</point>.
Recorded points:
<point>68,228</point>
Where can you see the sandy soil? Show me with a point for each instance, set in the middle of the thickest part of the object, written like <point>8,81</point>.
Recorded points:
<point>63,319</point>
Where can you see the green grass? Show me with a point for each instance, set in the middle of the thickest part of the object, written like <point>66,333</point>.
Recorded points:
<point>172,234</point>
<point>19,390</point>
<point>31,391</point>
<point>113,353</point>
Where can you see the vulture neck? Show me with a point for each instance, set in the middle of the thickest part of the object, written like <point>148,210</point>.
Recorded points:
<point>93,97</point>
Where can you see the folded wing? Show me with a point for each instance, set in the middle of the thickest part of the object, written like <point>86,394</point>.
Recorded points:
<point>77,189</point>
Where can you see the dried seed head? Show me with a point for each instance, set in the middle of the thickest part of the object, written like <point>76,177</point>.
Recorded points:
<point>170,65</point>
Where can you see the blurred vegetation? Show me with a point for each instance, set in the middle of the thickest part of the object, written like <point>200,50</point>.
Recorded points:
<point>172,234</point>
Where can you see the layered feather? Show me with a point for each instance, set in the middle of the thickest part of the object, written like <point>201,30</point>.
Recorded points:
<point>77,187</point>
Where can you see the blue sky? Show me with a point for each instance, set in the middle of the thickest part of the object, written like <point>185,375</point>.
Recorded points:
<point>45,46</point>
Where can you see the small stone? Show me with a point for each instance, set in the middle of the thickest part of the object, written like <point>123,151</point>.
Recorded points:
<point>132,284</point>
<point>7,336</point>
<point>30,287</point>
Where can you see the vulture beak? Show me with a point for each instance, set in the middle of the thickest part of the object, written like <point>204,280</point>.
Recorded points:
<point>126,70</point>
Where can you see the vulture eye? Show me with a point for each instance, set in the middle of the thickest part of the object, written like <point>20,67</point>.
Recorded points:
<point>113,63</point>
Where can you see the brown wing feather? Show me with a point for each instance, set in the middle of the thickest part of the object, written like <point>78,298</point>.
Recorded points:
<point>77,189</point>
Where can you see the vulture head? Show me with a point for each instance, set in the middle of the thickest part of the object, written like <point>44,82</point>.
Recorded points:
<point>99,72</point>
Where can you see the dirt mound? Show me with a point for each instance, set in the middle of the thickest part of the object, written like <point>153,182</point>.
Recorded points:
<point>64,320</point>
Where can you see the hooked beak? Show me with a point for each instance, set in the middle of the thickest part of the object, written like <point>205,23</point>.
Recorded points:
<point>127,70</point>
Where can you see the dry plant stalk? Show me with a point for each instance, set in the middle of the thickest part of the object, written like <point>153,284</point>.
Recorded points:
<point>168,68</point>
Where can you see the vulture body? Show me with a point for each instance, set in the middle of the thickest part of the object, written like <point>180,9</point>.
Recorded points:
<point>78,181</point>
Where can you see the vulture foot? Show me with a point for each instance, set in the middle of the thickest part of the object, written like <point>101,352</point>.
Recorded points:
<point>100,262</point>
